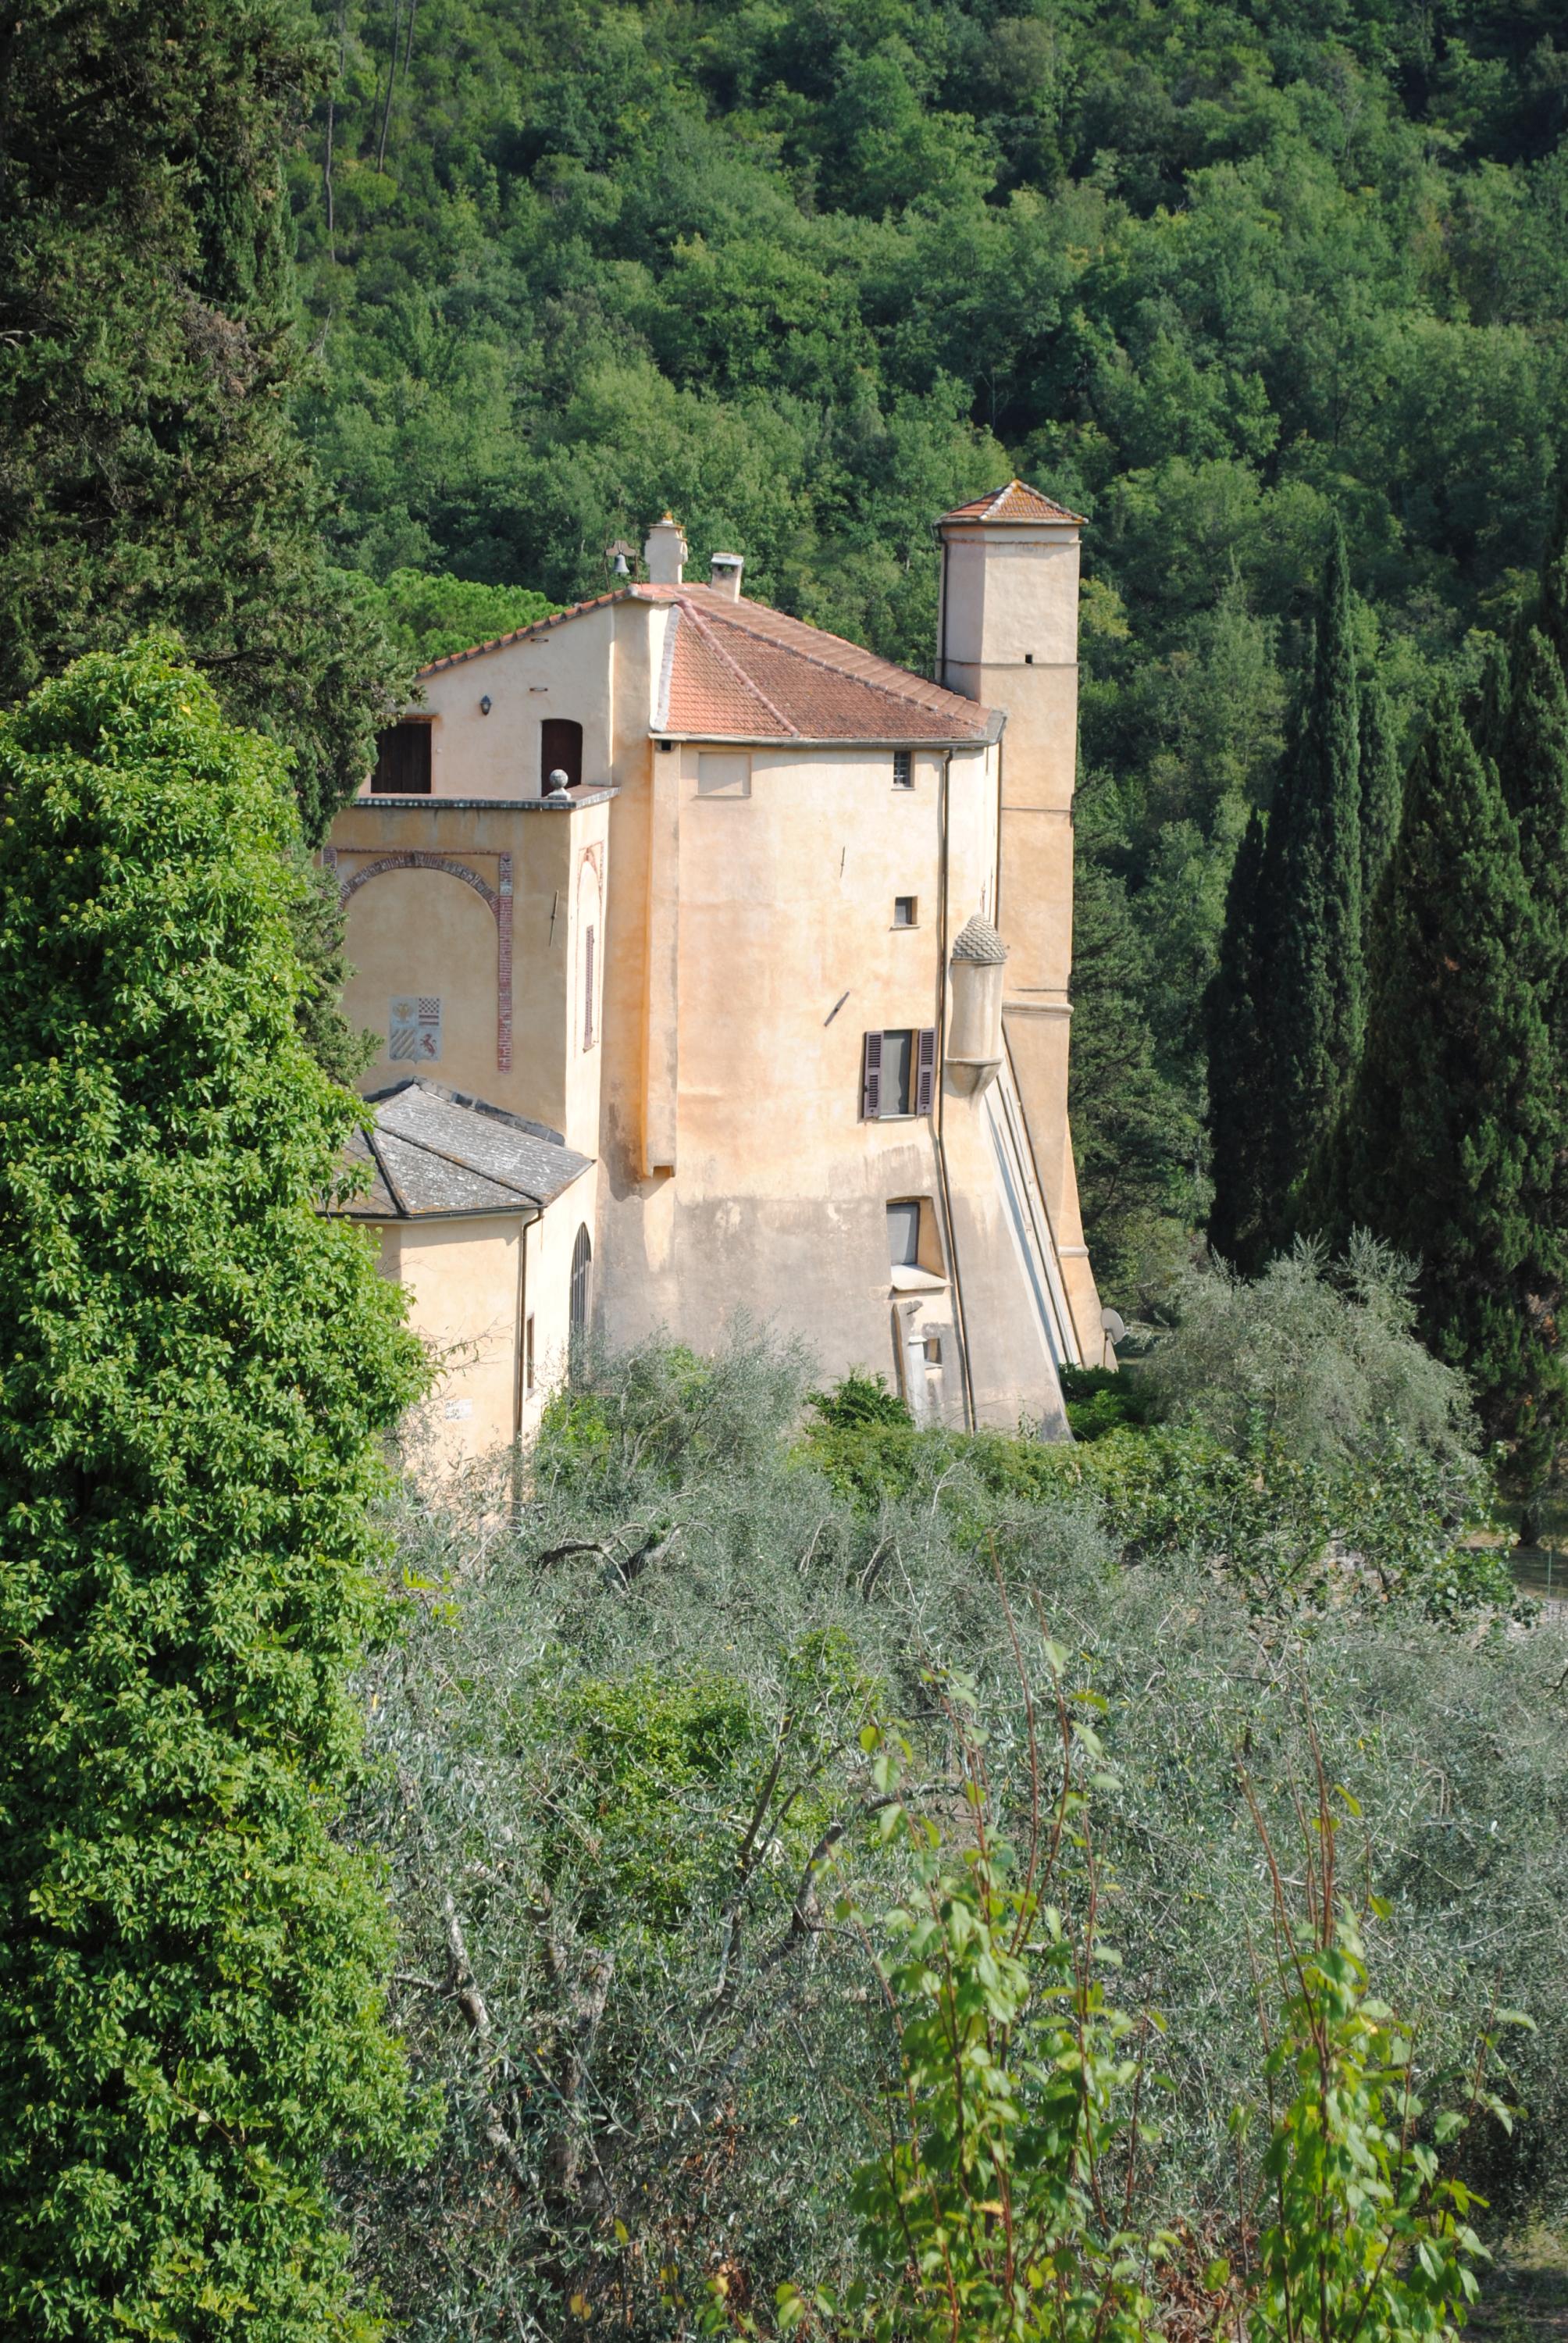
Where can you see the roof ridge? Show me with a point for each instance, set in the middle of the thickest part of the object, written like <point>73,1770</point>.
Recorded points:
<point>749,682</point>
<point>871,682</point>
<point>463,1163</point>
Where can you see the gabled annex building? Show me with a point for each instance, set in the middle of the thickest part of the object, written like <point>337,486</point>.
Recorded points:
<point>721,966</point>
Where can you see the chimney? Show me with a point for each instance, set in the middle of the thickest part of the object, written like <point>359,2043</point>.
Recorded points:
<point>726,569</point>
<point>664,552</point>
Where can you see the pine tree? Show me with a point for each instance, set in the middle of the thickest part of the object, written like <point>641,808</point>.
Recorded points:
<point>1382,789</point>
<point>1240,1071</point>
<point>198,1369</point>
<point>1451,1139</point>
<point>1318,986</point>
<point>150,472</point>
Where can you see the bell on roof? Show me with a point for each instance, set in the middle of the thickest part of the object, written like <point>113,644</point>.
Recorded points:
<point>974,1018</point>
<point>620,555</point>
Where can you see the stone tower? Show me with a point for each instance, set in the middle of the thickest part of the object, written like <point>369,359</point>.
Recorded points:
<point>1007,636</point>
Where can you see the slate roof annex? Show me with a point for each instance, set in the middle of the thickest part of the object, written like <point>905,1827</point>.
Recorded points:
<point>435,1154</point>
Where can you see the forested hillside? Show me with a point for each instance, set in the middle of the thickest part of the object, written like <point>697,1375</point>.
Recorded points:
<point>1213,275</point>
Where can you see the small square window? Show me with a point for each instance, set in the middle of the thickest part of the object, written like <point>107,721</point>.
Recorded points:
<point>903,769</point>
<point>932,1348</point>
<point>905,911</point>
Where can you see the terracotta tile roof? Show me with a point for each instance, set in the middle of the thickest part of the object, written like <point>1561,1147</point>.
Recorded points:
<point>1018,502</point>
<point>735,670</point>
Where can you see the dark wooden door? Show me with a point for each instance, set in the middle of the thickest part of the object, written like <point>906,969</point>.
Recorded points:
<point>560,751</point>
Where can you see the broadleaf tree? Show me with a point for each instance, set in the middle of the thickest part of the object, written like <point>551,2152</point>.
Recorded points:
<point>198,1371</point>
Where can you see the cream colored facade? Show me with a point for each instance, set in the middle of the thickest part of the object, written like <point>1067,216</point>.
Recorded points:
<point>674,966</point>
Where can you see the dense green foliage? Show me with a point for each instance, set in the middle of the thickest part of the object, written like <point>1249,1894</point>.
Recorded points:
<point>1452,1137</point>
<point>627,1786</point>
<point>810,273</point>
<point>425,617</point>
<point>196,1367</point>
<point>151,473</point>
<point>1287,1001</point>
<point>1005,2205</point>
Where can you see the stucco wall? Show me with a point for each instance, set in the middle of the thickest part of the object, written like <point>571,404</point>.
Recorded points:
<point>463,1286</point>
<point>421,929</point>
<point>560,673</point>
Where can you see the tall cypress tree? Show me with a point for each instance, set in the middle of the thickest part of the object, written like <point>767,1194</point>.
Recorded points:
<point>1532,758</point>
<point>1240,1068</point>
<point>1288,1003</point>
<point>1381,792</point>
<point>1319,985</point>
<point>1450,1143</point>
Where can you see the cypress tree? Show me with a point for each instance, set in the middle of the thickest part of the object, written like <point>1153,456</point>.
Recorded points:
<point>196,1371</point>
<point>1451,1140</point>
<point>1532,766</point>
<point>1240,1071</point>
<point>1318,987</point>
<point>150,472</point>
<point>1382,794</point>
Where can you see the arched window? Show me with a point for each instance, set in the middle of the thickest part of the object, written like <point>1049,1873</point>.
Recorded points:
<point>560,751</point>
<point>582,1274</point>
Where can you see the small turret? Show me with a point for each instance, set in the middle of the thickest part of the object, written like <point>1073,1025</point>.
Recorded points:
<point>974,1022</point>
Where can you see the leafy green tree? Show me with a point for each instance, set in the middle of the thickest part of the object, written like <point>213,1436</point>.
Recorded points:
<point>151,473</point>
<point>1241,1067</point>
<point>1449,1147</point>
<point>427,616</point>
<point>198,1371</point>
<point>1132,1138</point>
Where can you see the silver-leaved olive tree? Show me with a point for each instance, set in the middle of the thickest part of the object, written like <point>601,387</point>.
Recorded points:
<point>195,1372</point>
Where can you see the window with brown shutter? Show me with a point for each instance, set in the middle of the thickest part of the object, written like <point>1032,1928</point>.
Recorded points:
<point>926,1070</point>
<point>872,1078</point>
<point>402,761</point>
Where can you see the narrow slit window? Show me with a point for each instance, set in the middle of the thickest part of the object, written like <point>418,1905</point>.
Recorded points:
<point>529,1352</point>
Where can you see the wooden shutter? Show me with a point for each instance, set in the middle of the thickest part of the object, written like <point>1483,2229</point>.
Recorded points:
<point>588,990</point>
<point>872,1078</point>
<point>925,1068</point>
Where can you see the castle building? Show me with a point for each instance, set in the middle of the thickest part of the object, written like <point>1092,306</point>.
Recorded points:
<point>720,966</point>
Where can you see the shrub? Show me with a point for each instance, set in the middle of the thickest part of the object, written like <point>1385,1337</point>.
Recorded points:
<point>701,2080</point>
<point>196,1370</point>
<point>1321,1358</point>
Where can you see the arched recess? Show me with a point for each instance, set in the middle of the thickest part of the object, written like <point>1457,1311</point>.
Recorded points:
<point>581,1294</point>
<point>497,900</point>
